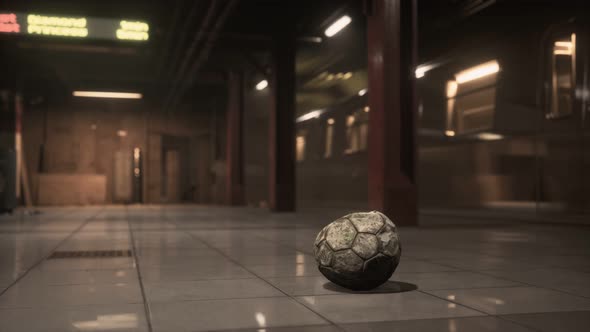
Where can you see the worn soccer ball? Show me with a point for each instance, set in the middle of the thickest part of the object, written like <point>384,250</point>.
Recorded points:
<point>359,251</point>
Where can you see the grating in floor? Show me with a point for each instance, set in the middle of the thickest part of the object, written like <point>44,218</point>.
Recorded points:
<point>90,254</point>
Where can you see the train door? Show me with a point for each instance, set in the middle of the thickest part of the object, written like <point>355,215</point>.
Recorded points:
<point>561,138</point>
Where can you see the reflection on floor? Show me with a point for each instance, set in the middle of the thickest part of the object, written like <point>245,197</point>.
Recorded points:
<point>211,268</point>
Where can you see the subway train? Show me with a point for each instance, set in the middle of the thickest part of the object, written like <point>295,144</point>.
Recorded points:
<point>502,113</point>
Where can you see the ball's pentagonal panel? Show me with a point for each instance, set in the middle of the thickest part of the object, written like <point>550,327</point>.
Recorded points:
<point>367,222</point>
<point>365,245</point>
<point>360,251</point>
<point>321,237</point>
<point>347,261</point>
<point>389,241</point>
<point>340,234</point>
<point>324,254</point>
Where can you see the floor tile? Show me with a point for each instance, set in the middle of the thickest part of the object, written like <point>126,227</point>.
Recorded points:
<point>306,328</point>
<point>489,263</point>
<point>412,265</point>
<point>381,307</point>
<point>467,324</point>
<point>88,264</point>
<point>70,295</point>
<point>452,280</point>
<point>576,321</point>
<point>499,301</point>
<point>230,314</point>
<point>298,286</point>
<point>285,270</point>
<point>574,282</point>
<point>209,290</point>
<point>100,318</point>
<point>76,277</point>
<point>227,271</point>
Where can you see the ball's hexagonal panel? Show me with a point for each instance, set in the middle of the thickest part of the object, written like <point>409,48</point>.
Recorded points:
<point>365,245</point>
<point>367,222</point>
<point>324,254</point>
<point>358,260</point>
<point>388,241</point>
<point>321,237</point>
<point>347,261</point>
<point>340,234</point>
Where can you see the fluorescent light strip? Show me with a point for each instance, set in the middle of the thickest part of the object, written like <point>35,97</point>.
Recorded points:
<point>340,24</point>
<point>485,69</point>
<point>309,116</point>
<point>107,94</point>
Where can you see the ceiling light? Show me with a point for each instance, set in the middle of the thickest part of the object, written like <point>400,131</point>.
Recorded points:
<point>261,85</point>
<point>121,133</point>
<point>366,109</point>
<point>449,133</point>
<point>473,73</point>
<point>422,69</point>
<point>489,136</point>
<point>347,75</point>
<point>337,26</point>
<point>310,115</point>
<point>330,121</point>
<point>107,94</point>
<point>362,92</point>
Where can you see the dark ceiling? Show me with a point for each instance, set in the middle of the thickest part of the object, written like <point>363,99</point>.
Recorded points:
<point>193,43</point>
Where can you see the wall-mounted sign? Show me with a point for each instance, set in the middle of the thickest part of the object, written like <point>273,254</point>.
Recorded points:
<point>72,27</point>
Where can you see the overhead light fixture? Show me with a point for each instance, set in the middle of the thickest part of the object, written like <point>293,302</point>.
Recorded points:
<point>340,24</point>
<point>310,115</point>
<point>479,71</point>
<point>449,133</point>
<point>347,75</point>
<point>362,92</point>
<point>121,133</point>
<point>422,69</point>
<point>107,94</point>
<point>366,109</point>
<point>489,136</point>
<point>261,85</point>
<point>330,121</point>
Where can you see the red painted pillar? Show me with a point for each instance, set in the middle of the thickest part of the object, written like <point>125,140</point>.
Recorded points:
<point>234,189</point>
<point>391,38</point>
<point>282,121</point>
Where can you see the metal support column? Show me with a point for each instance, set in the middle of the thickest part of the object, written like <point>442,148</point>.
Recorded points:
<point>234,145</point>
<point>391,37</point>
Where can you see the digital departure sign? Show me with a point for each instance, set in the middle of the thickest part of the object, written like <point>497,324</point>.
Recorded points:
<point>73,27</point>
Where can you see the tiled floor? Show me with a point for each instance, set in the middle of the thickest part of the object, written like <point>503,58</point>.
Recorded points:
<point>227,269</point>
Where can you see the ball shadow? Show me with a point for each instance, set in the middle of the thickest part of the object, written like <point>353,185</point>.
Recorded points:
<point>387,288</point>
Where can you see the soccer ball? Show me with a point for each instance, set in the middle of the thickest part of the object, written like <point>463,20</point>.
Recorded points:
<point>359,251</point>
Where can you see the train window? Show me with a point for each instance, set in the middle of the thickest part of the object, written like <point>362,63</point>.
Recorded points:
<point>357,129</point>
<point>563,61</point>
<point>471,99</point>
<point>300,147</point>
<point>329,138</point>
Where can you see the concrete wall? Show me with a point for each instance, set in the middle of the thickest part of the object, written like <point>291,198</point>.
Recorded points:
<point>82,136</point>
